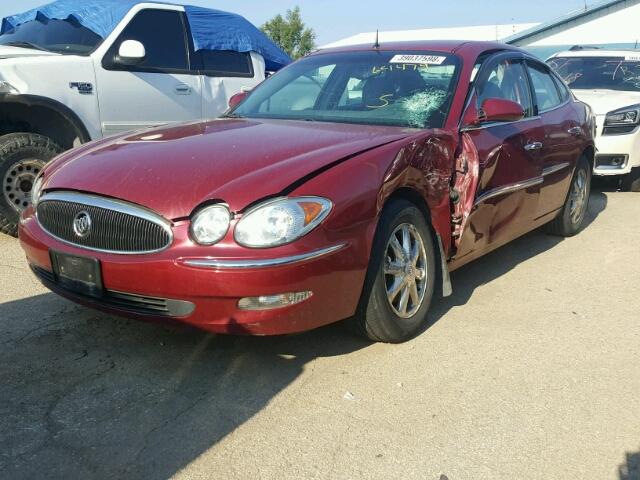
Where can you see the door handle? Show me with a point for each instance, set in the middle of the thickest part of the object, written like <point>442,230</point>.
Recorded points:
<point>183,89</point>
<point>533,146</point>
<point>575,131</point>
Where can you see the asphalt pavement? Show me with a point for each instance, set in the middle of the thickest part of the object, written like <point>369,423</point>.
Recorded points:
<point>530,371</point>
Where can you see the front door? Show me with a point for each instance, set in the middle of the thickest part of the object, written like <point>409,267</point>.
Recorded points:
<point>503,161</point>
<point>161,89</point>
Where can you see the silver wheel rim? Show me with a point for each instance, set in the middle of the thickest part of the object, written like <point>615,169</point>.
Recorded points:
<point>405,270</point>
<point>578,197</point>
<point>18,181</point>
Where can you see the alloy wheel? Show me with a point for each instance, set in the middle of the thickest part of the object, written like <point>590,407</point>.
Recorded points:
<point>578,197</point>
<point>405,270</point>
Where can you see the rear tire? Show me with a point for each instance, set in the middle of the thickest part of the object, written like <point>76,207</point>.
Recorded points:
<point>631,181</point>
<point>401,277</point>
<point>571,217</point>
<point>22,156</point>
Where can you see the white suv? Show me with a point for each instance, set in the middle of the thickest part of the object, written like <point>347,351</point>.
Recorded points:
<point>609,81</point>
<point>62,84</point>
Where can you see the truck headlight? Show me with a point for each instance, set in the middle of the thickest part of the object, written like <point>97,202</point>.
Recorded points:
<point>210,224</point>
<point>281,221</point>
<point>622,118</point>
<point>6,87</point>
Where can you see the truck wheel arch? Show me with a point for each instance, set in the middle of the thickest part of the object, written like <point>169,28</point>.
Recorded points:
<point>42,115</point>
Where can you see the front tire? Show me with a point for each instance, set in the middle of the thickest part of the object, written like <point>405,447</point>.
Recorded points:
<point>631,181</point>
<point>22,157</point>
<point>571,217</point>
<point>401,277</point>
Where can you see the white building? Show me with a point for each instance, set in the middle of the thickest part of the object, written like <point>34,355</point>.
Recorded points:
<point>608,24</point>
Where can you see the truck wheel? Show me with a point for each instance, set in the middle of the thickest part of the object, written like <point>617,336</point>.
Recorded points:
<point>571,216</point>
<point>22,156</point>
<point>631,181</point>
<point>401,278</point>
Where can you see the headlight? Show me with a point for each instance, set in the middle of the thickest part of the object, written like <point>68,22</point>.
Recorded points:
<point>281,221</point>
<point>6,87</point>
<point>36,190</point>
<point>210,224</point>
<point>622,117</point>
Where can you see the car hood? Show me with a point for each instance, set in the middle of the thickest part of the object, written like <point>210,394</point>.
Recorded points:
<point>605,101</point>
<point>238,161</point>
<point>15,52</point>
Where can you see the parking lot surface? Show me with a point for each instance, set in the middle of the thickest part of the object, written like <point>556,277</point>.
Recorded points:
<point>530,371</point>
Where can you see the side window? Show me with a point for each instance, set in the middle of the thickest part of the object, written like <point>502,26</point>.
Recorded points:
<point>565,94</point>
<point>226,63</point>
<point>162,33</point>
<point>545,88</point>
<point>507,80</point>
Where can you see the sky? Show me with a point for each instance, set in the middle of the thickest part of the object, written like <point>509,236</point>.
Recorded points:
<point>337,19</point>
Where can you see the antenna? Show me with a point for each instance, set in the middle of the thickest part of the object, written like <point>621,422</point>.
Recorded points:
<point>377,44</point>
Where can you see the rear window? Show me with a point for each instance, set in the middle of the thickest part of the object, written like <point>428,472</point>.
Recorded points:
<point>226,63</point>
<point>606,73</point>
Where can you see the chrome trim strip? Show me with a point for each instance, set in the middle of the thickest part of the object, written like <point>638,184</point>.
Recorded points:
<point>510,188</point>
<point>555,168</point>
<point>484,126</point>
<point>259,263</point>
<point>107,204</point>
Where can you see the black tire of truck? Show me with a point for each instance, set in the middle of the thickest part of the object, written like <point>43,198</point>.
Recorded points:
<point>22,156</point>
<point>631,181</point>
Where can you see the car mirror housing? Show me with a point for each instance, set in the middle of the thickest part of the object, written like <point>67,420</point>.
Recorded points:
<point>492,110</point>
<point>500,110</point>
<point>131,52</point>
<point>237,99</point>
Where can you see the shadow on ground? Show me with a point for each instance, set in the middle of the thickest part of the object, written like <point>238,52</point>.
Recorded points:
<point>501,261</point>
<point>86,395</point>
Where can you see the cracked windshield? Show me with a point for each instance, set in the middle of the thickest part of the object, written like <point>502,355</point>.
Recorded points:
<point>377,88</point>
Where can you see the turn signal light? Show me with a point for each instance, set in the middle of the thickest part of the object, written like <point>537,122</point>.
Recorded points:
<point>269,302</point>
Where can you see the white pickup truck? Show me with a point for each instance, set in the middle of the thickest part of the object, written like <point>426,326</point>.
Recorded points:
<point>66,79</point>
<point>609,81</point>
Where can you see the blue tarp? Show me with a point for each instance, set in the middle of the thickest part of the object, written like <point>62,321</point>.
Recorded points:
<point>211,29</point>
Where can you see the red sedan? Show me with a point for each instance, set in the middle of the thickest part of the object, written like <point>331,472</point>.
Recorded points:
<point>346,186</point>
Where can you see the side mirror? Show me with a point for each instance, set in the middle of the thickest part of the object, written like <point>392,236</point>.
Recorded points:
<point>500,110</point>
<point>131,52</point>
<point>237,99</point>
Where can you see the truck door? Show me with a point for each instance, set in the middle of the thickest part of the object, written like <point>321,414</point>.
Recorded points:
<point>226,73</point>
<point>161,88</point>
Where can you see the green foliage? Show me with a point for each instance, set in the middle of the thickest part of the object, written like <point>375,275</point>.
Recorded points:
<point>291,34</point>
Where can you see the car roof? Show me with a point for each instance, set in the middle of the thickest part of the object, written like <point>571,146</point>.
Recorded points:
<point>598,53</point>
<point>445,46</point>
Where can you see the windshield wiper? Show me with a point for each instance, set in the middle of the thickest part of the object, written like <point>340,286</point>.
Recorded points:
<point>232,115</point>
<point>21,44</point>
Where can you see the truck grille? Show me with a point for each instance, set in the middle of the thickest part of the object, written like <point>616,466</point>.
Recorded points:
<point>103,224</point>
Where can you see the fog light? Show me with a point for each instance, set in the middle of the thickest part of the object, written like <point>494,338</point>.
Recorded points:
<point>268,302</point>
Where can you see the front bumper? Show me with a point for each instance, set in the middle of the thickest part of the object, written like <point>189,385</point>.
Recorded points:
<point>204,292</point>
<point>622,145</point>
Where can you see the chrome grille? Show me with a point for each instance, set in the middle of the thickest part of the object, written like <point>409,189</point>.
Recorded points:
<point>115,226</point>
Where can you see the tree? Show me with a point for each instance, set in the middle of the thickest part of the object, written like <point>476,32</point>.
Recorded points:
<point>291,34</point>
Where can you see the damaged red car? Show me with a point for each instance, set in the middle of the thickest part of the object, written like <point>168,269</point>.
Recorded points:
<point>346,186</point>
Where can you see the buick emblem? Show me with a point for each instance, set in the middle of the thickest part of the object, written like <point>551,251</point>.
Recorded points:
<point>82,224</point>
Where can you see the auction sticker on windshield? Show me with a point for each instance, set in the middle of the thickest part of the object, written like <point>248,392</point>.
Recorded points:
<point>418,59</point>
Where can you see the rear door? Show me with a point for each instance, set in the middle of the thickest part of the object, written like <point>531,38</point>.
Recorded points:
<point>507,160</point>
<point>162,89</point>
<point>226,73</point>
<point>563,136</point>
